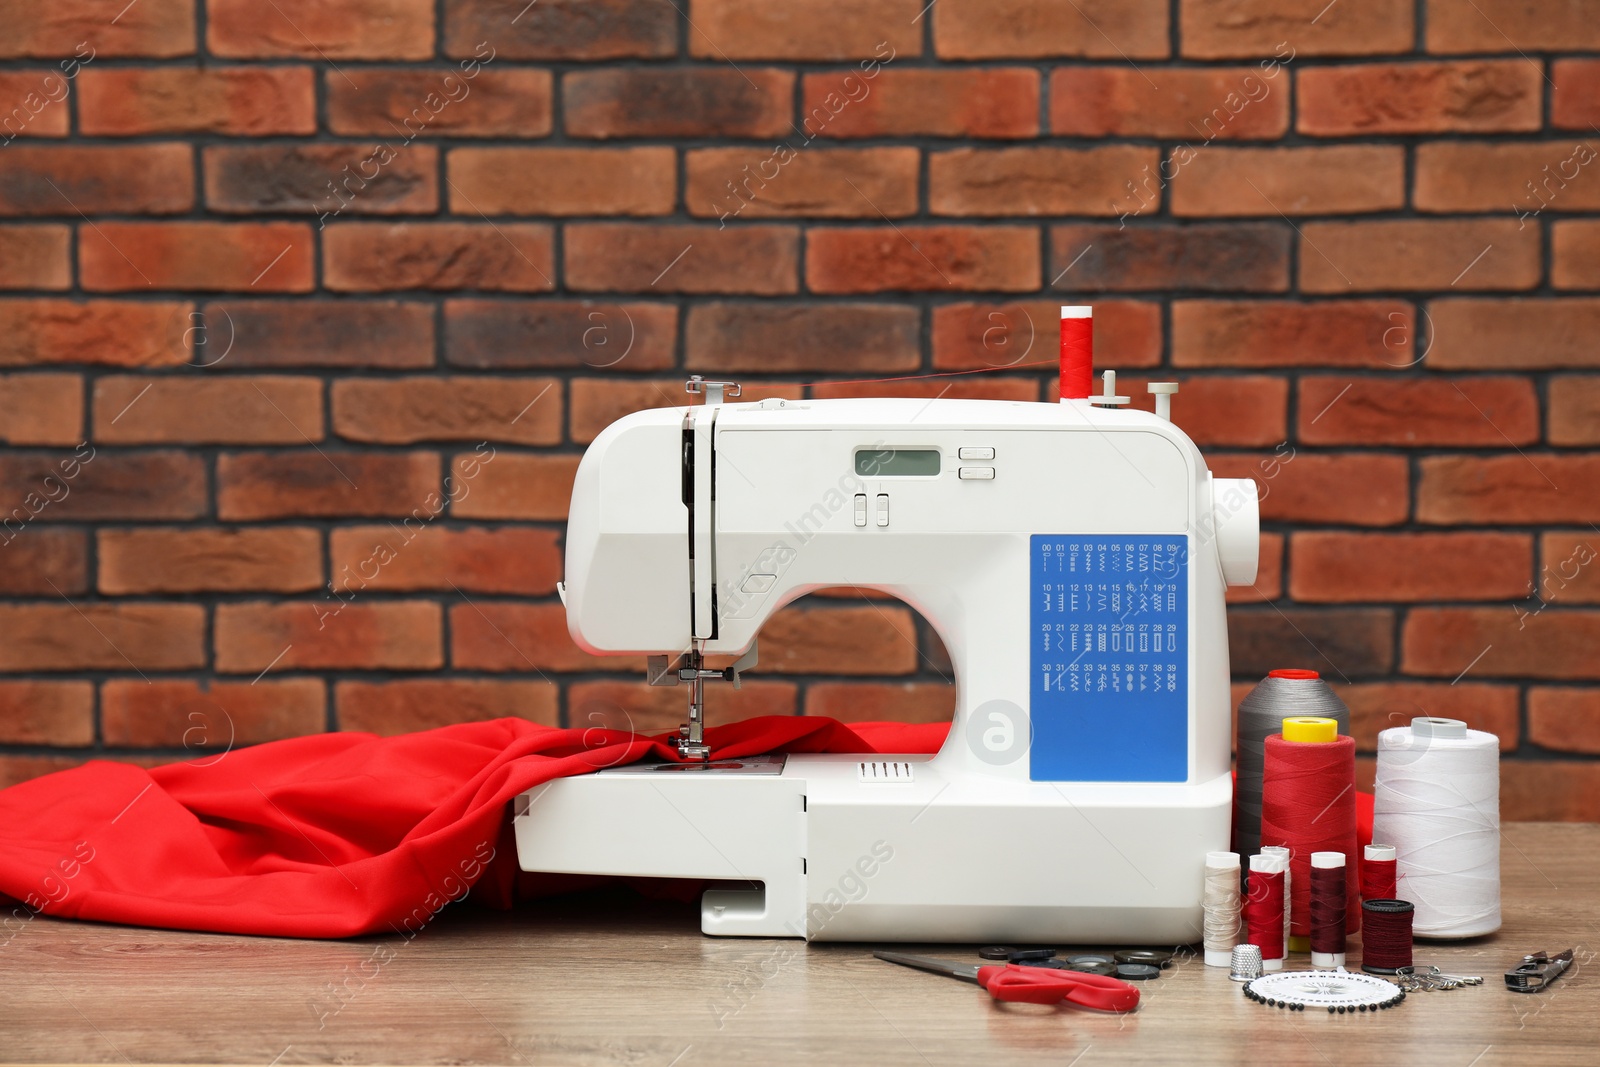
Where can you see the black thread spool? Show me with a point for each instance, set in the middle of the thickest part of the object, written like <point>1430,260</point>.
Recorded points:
<point>1386,936</point>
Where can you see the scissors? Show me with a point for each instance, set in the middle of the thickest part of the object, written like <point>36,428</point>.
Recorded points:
<point>1032,985</point>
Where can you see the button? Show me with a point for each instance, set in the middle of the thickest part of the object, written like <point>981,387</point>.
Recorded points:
<point>977,473</point>
<point>758,583</point>
<point>977,453</point>
<point>861,509</point>
<point>883,509</point>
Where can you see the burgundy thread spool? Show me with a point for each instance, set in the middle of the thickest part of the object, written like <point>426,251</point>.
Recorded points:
<point>1386,942</point>
<point>1378,872</point>
<point>1308,803</point>
<point>1328,889</point>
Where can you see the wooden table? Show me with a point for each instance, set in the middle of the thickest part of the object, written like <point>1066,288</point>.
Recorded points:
<point>589,980</point>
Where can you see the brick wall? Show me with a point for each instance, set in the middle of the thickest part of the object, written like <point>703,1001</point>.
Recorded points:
<point>304,293</point>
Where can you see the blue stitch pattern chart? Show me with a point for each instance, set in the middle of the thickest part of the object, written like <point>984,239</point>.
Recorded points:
<point>1110,655</point>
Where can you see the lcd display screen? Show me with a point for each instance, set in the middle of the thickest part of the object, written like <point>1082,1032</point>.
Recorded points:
<point>897,463</point>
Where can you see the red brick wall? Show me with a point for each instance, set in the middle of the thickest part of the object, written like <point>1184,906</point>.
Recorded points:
<point>273,273</point>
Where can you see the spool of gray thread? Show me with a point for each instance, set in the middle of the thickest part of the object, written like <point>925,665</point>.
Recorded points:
<point>1280,695</point>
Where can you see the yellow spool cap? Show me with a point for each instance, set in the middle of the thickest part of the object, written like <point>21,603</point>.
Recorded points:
<point>1310,729</point>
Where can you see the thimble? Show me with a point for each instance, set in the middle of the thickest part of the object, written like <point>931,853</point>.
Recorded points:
<point>1246,965</point>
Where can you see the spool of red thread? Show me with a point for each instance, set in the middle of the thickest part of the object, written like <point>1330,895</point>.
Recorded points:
<point>1328,889</point>
<point>1077,351</point>
<point>1378,872</point>
<point>1386,942</point>
<point>1308,804</point>
<point>1263,909</point>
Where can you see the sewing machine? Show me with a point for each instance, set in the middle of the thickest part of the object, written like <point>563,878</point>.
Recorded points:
<point>1071,556</point>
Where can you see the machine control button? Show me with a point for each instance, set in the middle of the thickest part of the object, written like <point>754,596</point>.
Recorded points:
<point>985,474</point>
<point>977,453</point>
<point>861,509</point>
<point>883,509</point>
<point>758,583</point>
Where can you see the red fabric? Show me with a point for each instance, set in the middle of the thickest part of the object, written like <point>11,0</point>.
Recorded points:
<point>335,834</point>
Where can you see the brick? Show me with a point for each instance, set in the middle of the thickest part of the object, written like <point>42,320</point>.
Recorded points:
<point>754,183</point>
<point>389,708</point>
<point>1106,29</point>
<point>41,409</point>
<point>282,485</point>
<point>1205,104</point>
<point>1341,643</point>
<point>1476,96</point>
<point>361,29</point>
<point>267,257</point>
<point>317,333</point>
<point>445,102</point>
<point>1549,791</point>
<point>1127,333</point>
<point>645,709</point>
<point>812,30</point>
<point>1564,720</point>
<point>32,104</point>
<point>1514,334</point>
<point>561,29</point>
<point>514,486</point>
<point>677,102</point>
<point>1496,25</point>
<point>1328,566</point>
<point>882,702</point>
<point>1208,256</point>
<point>414,556</point>
<point>370,257</point>
<point>1569,573</point>
<point>1331,180</point>
<point>922,258</point>
<point>255,410</point>
<point>325,180</point>
<point>15,770</point>
<point>60,636</point>
<point>44,562</point>
<point>407,410</point>
<point>524,638</point>
<point>868,639</point>
<point>1353,489</point>
<point>35,257</point>
<point>598,402</point>
<point>1419,412</point>
<point>1532,487</point>
<point>1378,706</point>
<point>990,388</point>
<point>154,28</point>
<point>211,720</point>
<point>1554,643</point>
<point>138,179</point>
<point>1575,254</point>
<point>1258,333</point>
<point>1574,410</point>
<point>89,484</point>
<point>237,101</point>
<point>1268,585</point>
<point>986,103</point>
<point>1033,181</point>
<point>1246,29</point>
<point>1341,257</point>
<point>563,181</point>
<point>1575,94</point>
<point>632,257</point>
<point>328,634</point>
<point>278,559</point>
<point>1523,176</point>
<point>496,334</point>
<point>47,713</point>
<point>802,338</point>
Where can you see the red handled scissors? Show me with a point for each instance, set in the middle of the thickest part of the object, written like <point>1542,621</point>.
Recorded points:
<point>1032,985</point>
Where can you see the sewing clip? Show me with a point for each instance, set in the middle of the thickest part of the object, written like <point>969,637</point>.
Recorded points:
<point>1537,971</point>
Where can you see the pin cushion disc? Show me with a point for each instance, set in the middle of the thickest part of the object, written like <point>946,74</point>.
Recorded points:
<point>1339,991</point>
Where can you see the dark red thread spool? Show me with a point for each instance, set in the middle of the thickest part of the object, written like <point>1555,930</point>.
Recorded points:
<point>1386,940</point>
<point>1308,804</point>
<point>1263,909</point>
<point>1329,887</point>
<point>1378,873</point>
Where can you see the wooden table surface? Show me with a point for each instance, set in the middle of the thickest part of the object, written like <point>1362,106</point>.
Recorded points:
<point>615,980</point>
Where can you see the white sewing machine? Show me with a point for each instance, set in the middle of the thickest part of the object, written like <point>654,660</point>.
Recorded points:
<point>1073,559</point>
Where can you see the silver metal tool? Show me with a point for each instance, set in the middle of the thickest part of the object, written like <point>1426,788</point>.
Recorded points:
<point>1537,971</point>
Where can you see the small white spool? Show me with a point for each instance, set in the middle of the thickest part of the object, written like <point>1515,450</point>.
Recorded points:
<point>1221,902</point>
<point>1327,861</point>
<point>1436,797</point>
<point>1274,862</point>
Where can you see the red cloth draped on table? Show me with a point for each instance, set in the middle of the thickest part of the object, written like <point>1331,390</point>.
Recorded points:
<point>334,834</point>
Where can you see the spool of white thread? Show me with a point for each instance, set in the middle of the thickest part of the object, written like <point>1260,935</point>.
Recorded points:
<point>1221,902</point>
<point>1436,798</point>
